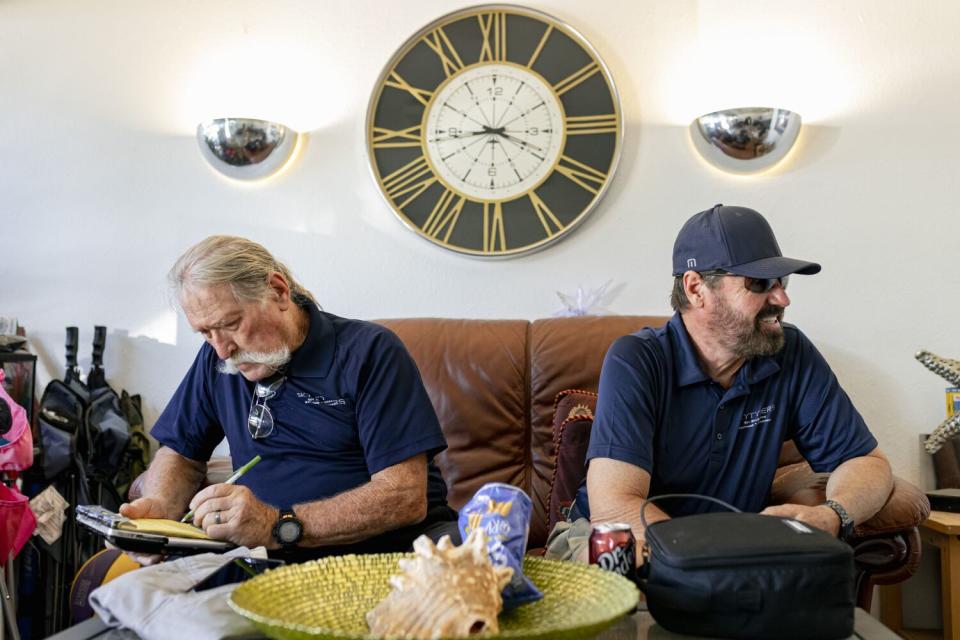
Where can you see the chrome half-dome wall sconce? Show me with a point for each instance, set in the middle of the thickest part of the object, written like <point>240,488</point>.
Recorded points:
<point>745,140</point>
<point>246,148</point>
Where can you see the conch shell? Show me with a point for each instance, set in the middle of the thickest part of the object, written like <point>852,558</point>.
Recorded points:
<point>443,592</point>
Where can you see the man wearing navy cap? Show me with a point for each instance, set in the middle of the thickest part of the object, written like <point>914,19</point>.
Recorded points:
<point>703,404</point>
<point>335,408</point>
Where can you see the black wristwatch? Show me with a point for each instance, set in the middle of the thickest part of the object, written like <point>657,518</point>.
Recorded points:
<point>289,530</point>
<point>846,522</point>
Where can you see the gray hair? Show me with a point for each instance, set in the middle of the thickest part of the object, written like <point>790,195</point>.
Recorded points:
<point>678,297</point>
<point>243,264</point>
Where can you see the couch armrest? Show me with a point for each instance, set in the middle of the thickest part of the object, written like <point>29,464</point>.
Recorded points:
<point>884,559</point>
<point>219,468</point>
<point>905,509</point>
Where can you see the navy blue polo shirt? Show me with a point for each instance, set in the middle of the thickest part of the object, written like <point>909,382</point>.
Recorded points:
<point>352,404</point>
<point>659,411</point>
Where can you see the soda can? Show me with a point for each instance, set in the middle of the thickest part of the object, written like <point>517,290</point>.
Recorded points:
<point>613,548</point>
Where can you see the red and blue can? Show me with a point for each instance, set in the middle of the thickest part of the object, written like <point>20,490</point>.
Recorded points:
<point>613,548</point>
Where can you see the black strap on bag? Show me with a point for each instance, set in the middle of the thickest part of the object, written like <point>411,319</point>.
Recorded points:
<point>688,599</point>
<point>97,379</point>
<point>666,496</point>
<point>643,519</point>
<point>73,369</point>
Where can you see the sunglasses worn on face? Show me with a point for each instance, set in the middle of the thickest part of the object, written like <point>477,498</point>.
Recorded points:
<point>753,285</point>
<point>260,420</point>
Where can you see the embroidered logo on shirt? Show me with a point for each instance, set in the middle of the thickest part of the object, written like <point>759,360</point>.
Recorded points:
<point>318,400</point>
<point>756,418</point>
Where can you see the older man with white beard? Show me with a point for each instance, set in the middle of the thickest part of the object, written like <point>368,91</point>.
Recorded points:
<point>703,404</point>
<point>335,408</point>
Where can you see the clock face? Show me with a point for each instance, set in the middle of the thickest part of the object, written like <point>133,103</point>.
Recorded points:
<point>494,131</point>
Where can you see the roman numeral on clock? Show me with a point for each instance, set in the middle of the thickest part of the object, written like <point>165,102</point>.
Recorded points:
<point>576,78</point>
<point>589,125</point>
<point>494,29</point>
<point>384,138</point>
<point>547,219</point>
<point>397,82</point>
<point>494,238</point>
<point>414,178</point>
<point>584,175</point>
<point>543,41</point>
<point>438,41</point>
<point>444,216</point>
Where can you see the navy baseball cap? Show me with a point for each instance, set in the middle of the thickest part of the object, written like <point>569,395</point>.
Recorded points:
<point>734,239</point>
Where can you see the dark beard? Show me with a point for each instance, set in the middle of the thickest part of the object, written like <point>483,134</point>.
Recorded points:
<point>748,340</point>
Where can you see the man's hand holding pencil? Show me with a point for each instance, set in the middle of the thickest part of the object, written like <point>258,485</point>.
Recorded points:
<point>225,511</point>
<point>228,511</point>
<point>231,512</point>
<point>231,480</point>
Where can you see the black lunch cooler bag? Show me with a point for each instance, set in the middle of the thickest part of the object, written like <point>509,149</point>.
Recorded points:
<point>744,575</point>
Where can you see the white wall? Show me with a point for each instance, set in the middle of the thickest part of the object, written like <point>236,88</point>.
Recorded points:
<point>102,184</point>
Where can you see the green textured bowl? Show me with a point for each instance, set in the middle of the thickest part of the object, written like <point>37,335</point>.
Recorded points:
<point>328,598</point>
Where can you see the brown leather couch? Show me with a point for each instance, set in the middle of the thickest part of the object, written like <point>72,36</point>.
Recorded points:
<point>494,384</point>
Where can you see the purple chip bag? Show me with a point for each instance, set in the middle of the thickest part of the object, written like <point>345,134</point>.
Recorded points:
<point>502,512</point>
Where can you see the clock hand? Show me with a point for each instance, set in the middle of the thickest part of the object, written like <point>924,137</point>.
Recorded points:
<point>465,134</point>
<point>496,131</point>
<point>501,131</point>
<point>521,143</point>
<point>527,149</point>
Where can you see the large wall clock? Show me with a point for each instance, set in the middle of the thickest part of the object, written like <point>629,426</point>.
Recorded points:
<point>494,131</point>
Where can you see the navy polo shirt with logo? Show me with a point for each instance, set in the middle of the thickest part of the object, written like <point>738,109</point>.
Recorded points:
<point>659,411</point>
<point>352,404</point>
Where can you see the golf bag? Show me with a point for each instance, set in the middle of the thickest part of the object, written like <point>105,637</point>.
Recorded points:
<point>93,445</point>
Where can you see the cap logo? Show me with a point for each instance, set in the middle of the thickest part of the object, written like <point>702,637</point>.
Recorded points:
<point>691,263</point>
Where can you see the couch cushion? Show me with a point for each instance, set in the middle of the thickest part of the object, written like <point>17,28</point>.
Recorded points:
<point>565,353</point>
<point>475,374</point>
<point>572,420</point>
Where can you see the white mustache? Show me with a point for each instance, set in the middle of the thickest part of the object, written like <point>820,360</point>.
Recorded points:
<point>272,359</point>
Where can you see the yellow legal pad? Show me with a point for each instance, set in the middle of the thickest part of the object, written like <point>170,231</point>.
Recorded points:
<point>163,527</point>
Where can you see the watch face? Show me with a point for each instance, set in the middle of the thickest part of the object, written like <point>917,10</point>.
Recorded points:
<point>288,531</point>
<point>494,131</point>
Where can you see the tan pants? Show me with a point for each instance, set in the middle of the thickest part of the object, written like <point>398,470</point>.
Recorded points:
<point>568,540</point>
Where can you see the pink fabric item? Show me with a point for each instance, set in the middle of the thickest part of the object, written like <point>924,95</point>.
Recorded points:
<point>17,522</point>
<point>16,445</point>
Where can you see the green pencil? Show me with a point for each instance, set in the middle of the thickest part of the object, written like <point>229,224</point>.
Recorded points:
<point>232,479</point>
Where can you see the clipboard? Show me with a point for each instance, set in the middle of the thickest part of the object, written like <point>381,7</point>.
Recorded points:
<point>132,535</point>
